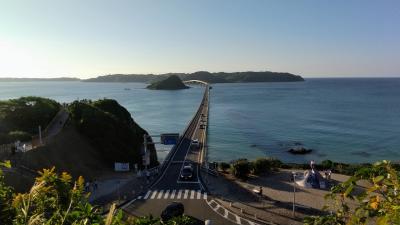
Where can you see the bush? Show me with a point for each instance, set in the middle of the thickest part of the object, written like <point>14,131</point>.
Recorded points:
<point>241,168</point>
<point>327,164</point>
<point>224,166</point>
<point>261,165</point>
<point>20,136</point>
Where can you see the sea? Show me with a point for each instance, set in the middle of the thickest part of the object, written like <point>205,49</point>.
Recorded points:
<point>352,120</point>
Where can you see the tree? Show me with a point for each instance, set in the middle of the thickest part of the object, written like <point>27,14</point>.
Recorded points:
<point>377,204</point>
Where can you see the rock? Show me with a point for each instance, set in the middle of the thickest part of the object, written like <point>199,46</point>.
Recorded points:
<point>300,151</point>
<point>173,82</point>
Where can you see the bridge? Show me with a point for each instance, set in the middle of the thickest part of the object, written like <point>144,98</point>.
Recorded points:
<point>170,187</point>
<point>196,82</point>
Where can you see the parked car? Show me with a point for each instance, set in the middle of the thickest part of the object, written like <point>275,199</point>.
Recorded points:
<point>187,172</point>
<point>172,210</point>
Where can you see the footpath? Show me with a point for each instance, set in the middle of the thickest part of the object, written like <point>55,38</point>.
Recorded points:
<point>243,202</point>
<point>118,188</point>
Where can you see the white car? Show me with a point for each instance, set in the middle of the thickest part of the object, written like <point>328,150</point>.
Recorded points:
<point>195,143</point>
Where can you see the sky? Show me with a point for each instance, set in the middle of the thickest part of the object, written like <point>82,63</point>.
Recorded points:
<point>88,38</point>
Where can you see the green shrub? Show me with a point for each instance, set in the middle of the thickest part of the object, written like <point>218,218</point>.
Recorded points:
<point>261,165</point>
<point>327,164</point>
<point>20,136</point>
<point>224,166</point>
<point>241,168</point>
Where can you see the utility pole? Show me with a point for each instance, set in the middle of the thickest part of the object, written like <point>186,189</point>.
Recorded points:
<point>145,150</point>
<point>294,194</point>
<point>40,135</point>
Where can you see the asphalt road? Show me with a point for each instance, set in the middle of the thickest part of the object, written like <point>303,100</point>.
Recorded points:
<point>171,188</point>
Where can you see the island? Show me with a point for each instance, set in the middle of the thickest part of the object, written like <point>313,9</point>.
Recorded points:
<point>172,82</point>
<point>219,77</point>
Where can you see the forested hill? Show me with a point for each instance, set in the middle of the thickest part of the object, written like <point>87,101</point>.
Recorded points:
<point>220,77</point>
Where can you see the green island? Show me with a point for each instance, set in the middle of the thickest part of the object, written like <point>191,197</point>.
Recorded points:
<point>172,82</point>
<point>219,77</point>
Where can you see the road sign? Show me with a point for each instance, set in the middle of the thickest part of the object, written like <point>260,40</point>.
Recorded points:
<point>121,167</point>
<point>169,139</point>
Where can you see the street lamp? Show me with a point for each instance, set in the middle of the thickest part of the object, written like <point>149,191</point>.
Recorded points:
<point>294,193</point>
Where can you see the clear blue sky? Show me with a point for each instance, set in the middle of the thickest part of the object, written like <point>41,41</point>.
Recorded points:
<point>86,38</point>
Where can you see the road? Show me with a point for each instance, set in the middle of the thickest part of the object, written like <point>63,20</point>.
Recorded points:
<point>170,187</point>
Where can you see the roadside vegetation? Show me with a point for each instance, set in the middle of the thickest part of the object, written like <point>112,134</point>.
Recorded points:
<point>242,168</point>
<point>111,129</point>
<point>20,118</point>
<point>58,199</point>
<point>378,204</point>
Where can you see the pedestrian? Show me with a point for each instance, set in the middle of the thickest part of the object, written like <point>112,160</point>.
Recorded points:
<point>95,185</point>
<point>261,191</point>
<point>147,175</point>
<point>87,186</point>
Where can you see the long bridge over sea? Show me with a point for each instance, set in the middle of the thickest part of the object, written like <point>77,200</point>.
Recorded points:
<point>169,187</point>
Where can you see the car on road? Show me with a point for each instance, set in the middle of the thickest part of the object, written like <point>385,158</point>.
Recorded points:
<point>172,210</point>
<point>187,172</point>
<point>196,143</point>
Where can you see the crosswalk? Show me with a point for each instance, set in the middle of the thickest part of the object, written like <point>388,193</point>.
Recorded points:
<point>174,194</point>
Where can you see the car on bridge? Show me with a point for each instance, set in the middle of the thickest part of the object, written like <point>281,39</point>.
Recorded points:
<point>195,143</point>
<point>187,172</point>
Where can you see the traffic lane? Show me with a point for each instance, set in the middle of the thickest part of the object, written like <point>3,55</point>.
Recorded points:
<point>198,209</point>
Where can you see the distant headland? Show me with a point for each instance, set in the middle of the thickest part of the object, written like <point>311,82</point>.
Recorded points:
<point>220,77</point>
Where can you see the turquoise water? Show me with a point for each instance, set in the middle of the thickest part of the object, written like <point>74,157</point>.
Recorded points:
<point>350,120</point>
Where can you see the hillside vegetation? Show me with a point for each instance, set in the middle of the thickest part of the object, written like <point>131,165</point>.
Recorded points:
<point>111,130</point>
<point>172,82</point>
<point>20,118</point>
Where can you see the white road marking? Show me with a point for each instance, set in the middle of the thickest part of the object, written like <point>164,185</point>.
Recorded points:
<point>147,194</point>
<point>198,194</point>
<point>139,197</point>
<point>186,194</point>
<point>237,219</point>
<point>205,196</point>
<point>226,213</point>
<point>154,194</point>
<point>160,194</point>
<point>192,194</point>
<point>166,195</point>
<point>179,194</point>
<point>172,196</point>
